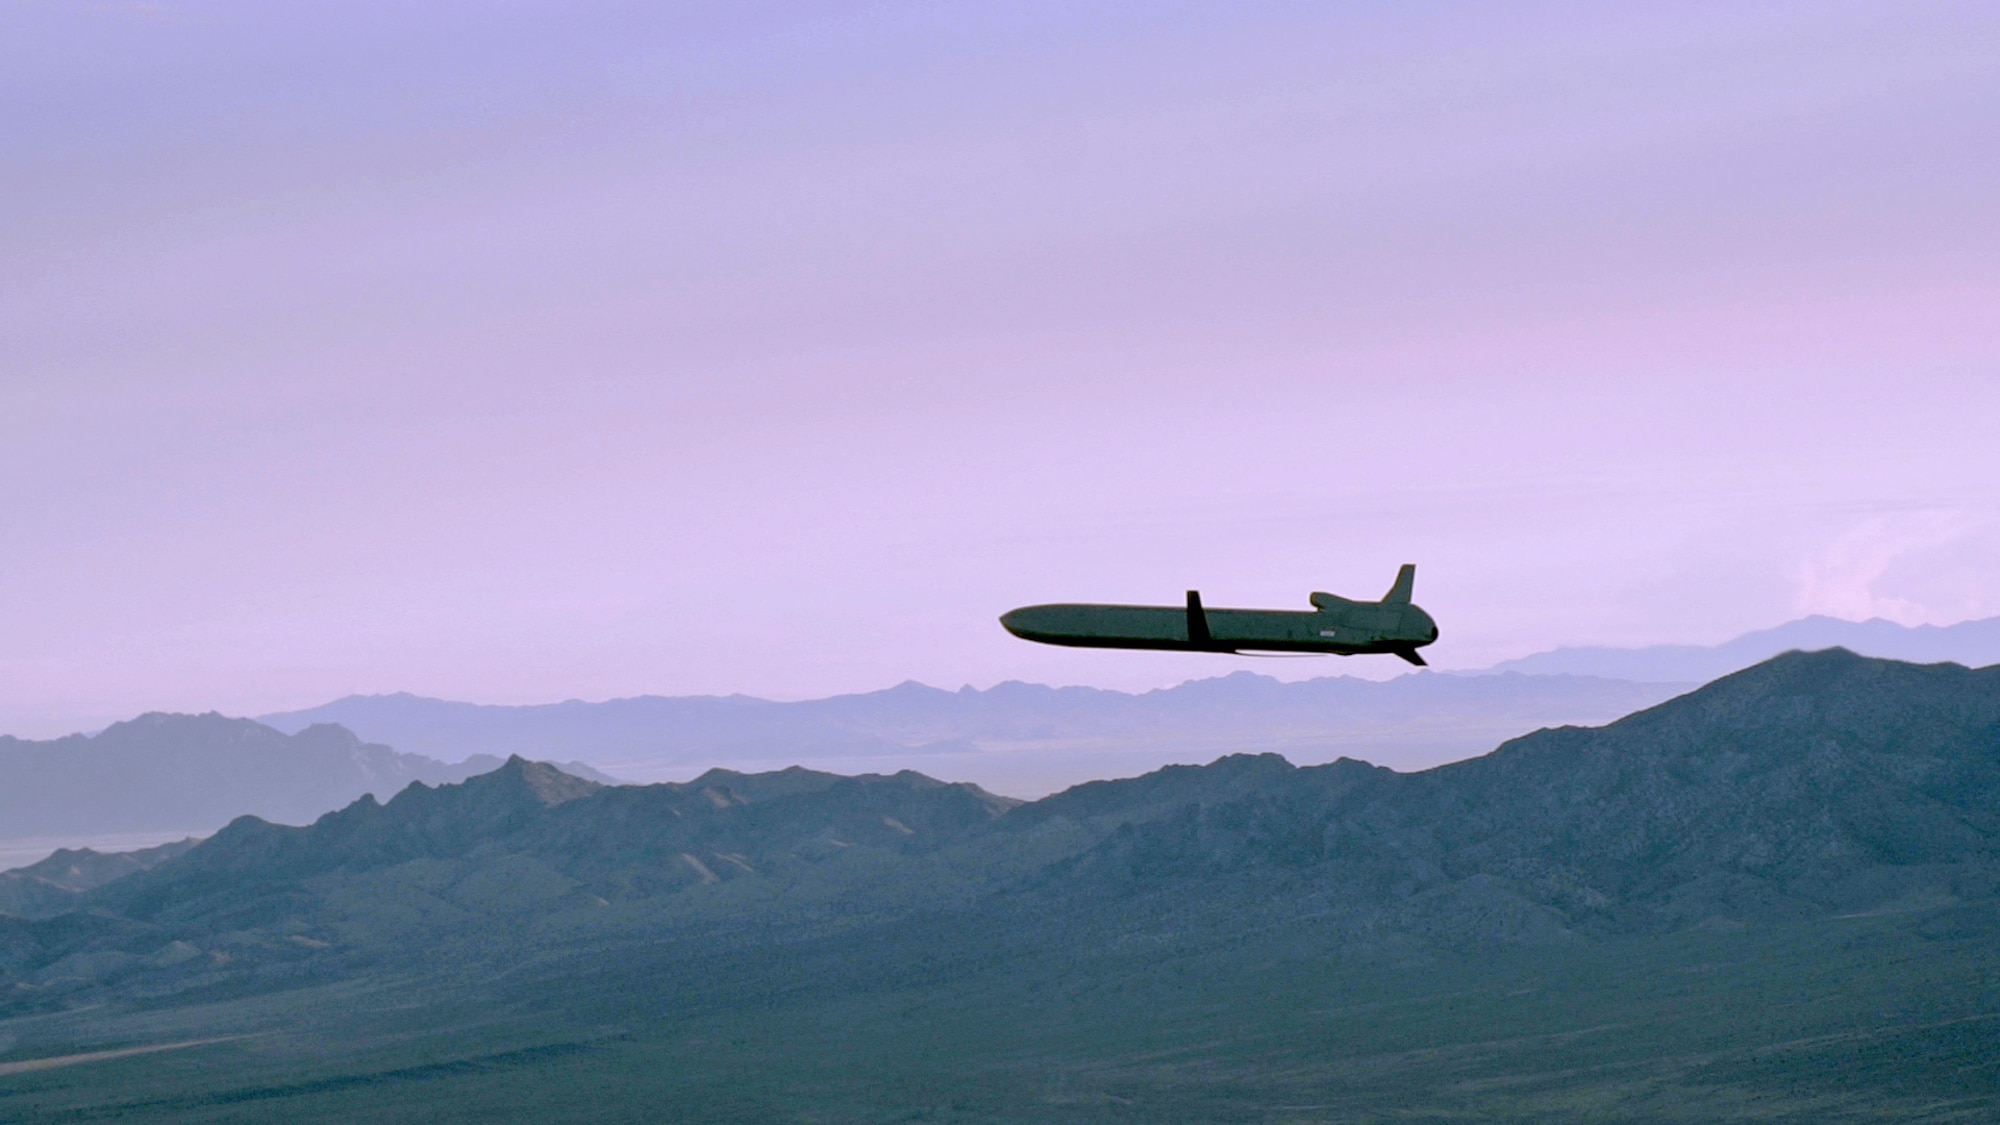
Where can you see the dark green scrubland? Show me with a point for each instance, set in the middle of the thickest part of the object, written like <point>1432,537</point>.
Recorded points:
<point>1771,900</point>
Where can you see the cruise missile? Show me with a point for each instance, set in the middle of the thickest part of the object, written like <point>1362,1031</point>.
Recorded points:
<point>1336,625</point>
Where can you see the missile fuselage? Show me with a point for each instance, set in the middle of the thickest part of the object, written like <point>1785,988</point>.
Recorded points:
<point>1392,626</point>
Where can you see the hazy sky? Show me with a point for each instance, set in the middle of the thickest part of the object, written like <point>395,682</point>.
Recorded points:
<point>516,351</point>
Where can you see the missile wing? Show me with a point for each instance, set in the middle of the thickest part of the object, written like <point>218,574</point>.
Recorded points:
<point>1394,625</point>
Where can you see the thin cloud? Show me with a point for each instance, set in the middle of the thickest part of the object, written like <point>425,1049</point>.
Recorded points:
<point>1848,577</point>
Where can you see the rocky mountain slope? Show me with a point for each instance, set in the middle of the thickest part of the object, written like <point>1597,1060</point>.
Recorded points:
<point>1810,786</point>
<point>551,855</point>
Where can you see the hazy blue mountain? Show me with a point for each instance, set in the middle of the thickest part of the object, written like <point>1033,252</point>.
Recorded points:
<point>197,772</point>
<point>1024,739</point>
<point>1774,898</point>
<point>1975,644</point>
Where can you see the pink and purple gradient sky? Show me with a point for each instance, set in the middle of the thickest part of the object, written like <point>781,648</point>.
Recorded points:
<point>521,351</point>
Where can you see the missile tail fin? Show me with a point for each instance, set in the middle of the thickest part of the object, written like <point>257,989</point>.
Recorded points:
<point>1406,581</point>
<point>1412,656</point>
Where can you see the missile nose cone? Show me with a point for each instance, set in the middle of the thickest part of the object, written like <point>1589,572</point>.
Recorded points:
<point>1426,625</point>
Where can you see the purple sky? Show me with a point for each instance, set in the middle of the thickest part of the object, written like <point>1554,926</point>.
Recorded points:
<point>514,352</point>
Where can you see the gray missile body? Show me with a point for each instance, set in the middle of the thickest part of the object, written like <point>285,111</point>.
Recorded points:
<point>1337,625</point>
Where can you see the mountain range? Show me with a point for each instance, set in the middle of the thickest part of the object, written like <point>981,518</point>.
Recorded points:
<point>1017,738</point>
<point>164,775</point>
<point>1029,739</point>
<point>1812,784</point>
<point>1772,898</point>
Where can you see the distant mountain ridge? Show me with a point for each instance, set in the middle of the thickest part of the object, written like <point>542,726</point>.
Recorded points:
<point>1030,739</point>
<point>1015,737</point>
<point>1975,644</point>
<point>198,772</point>
<point>192,773</point>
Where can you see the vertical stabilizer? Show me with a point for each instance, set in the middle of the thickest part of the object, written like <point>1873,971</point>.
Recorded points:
<point>1406,580</point>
